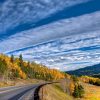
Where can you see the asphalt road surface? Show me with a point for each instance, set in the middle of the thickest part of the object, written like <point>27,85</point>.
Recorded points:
<point>25,92</point>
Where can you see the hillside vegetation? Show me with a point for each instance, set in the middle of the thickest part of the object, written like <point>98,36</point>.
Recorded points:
<point>93,70</point>
<point>17,69</point>
<point>12,68</point>
<point>90,80</point>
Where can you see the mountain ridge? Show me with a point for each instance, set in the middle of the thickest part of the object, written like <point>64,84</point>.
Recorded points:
<point>90,71</point>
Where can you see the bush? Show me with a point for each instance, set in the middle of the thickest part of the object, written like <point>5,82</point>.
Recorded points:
<point>97,82</point>
<point>78,91</point>
<point>91,81</point>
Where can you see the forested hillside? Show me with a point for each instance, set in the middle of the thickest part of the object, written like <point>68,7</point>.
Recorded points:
<point>12,68</point>
<point>90,71</point>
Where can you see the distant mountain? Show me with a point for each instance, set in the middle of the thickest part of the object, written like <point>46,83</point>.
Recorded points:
<point>90,71</point>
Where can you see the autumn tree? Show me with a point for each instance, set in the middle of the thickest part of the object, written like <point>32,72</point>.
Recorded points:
<point>18,68</point>
<point>3,66</point>
<point>74,78</point>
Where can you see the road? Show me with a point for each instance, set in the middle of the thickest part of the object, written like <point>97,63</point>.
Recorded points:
<point>25,92</point>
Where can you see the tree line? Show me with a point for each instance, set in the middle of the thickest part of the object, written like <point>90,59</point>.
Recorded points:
<point>91,80</point>
<point>15,67</point>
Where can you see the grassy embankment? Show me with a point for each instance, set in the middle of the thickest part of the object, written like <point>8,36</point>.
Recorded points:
<point>53,92</point>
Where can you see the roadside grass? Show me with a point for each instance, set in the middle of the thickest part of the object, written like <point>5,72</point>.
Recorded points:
<point>3,84</point>
<point>18,82</point>
<point>57,86</point>
<point>53,92</point>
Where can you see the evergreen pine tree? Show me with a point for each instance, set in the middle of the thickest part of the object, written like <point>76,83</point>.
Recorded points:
<point>78,91</point>
<point>81,90</point>
<point>20,60</point>
<point>12,58</point>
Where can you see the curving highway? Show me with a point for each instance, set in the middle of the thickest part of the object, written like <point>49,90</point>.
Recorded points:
<point>25,92</point>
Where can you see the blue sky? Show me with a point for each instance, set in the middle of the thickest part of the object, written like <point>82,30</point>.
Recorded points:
<point>62,34</point>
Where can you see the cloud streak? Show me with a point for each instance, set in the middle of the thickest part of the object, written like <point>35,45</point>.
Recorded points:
<point>65,44</point>
<point>66,53</point>
<point>14,13</point>
<point>62,28</point>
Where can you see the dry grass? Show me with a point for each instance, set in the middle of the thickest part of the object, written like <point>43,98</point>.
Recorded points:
<point>92,92</point>
<point>18,82</point>
<point>52,92</point>
<point>27,81</point>
<point>5,84</point>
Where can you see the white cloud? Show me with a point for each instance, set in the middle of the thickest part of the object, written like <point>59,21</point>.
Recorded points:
<point>66,44</point>
<point>59,54</point>
<point>63,28</point>
<point>17,12</point>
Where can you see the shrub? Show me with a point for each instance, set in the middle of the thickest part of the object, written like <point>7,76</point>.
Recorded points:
<point>78,91</point>
<point>97,82</point>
